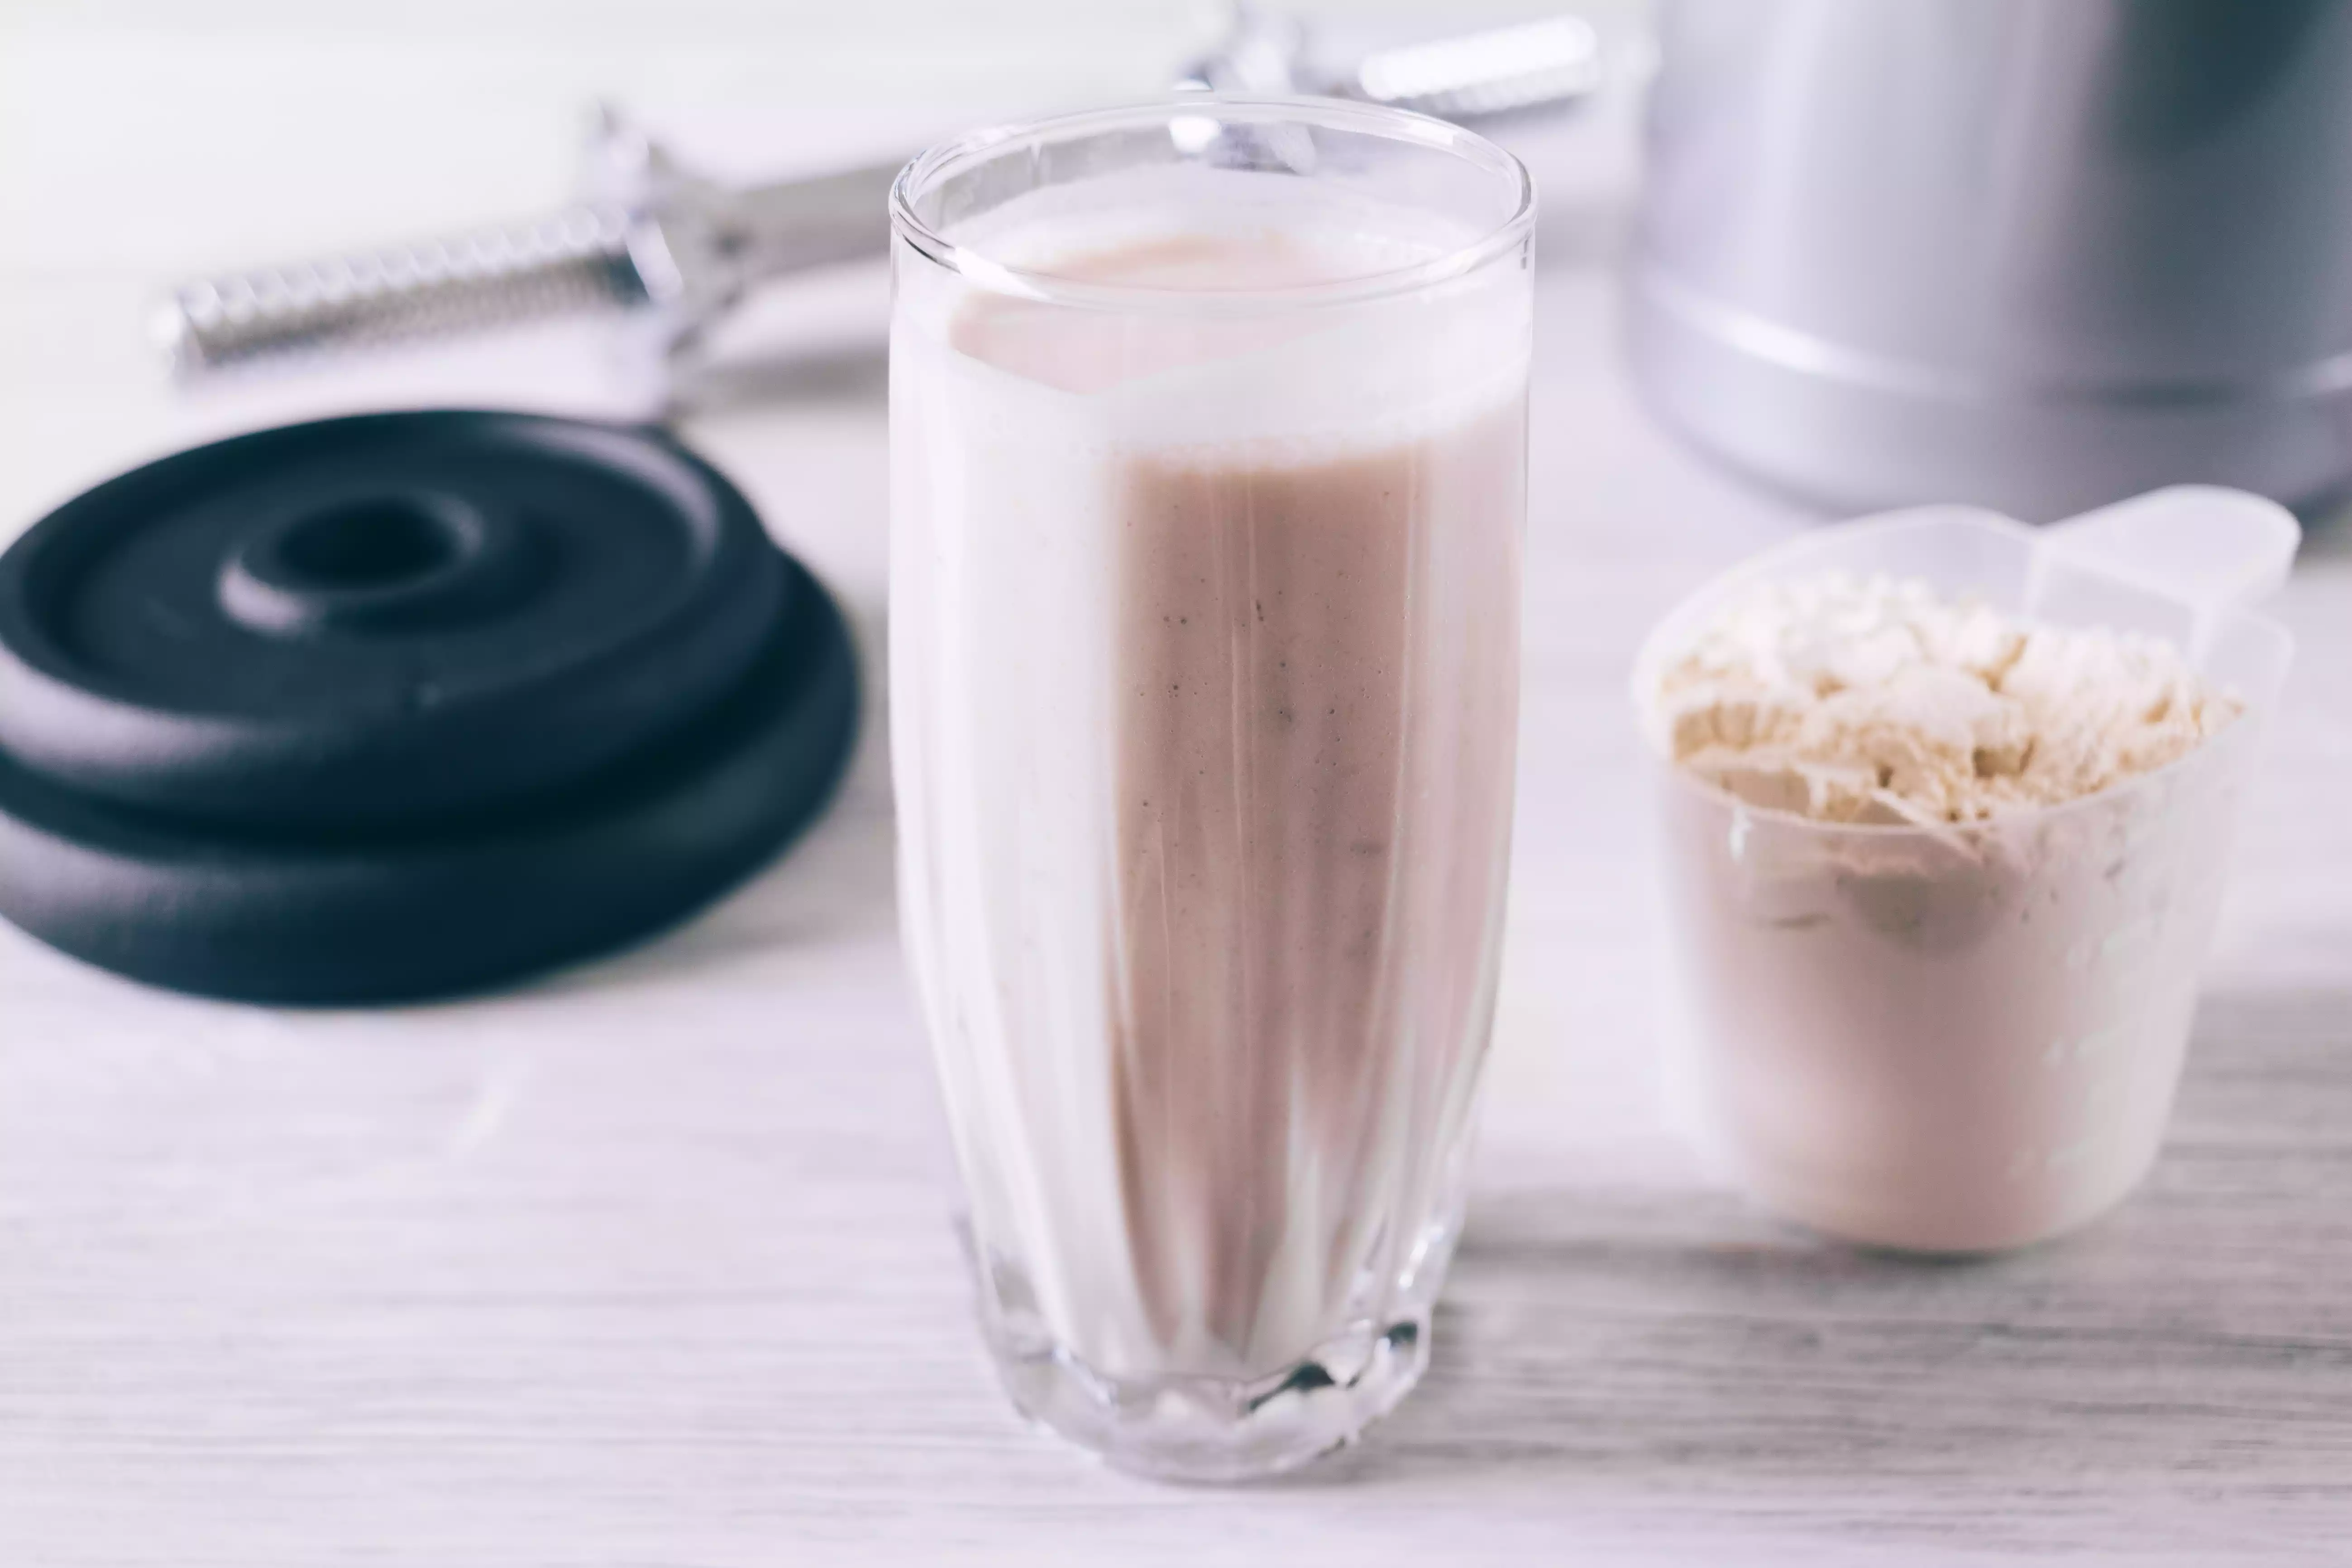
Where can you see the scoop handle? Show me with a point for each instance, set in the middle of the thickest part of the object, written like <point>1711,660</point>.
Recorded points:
<point>2212,547</point>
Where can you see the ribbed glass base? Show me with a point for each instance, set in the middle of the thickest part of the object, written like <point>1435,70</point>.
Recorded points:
<point>1210,1429</point>
<point>1183,1428</point>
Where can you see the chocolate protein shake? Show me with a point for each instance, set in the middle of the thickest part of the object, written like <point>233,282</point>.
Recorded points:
<point>1313,792</point>
<point>1205,644</point>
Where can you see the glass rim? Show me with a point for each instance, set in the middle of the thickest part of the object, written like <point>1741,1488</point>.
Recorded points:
<point>947,158</point>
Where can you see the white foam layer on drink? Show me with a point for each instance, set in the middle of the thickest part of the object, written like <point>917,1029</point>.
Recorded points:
<point>1178,365</point>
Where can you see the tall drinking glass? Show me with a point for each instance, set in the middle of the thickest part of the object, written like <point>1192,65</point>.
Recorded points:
<point>1208,442</point>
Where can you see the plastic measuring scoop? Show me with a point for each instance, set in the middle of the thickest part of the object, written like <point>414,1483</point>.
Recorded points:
<point>1965,1037</point>
<point>2200,549</point>
<point>2186,564</point>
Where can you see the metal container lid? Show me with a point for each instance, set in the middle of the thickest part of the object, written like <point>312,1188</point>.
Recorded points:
<point>386,707</point>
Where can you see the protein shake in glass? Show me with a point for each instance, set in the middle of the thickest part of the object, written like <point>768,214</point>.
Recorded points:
<point>1208,439</point>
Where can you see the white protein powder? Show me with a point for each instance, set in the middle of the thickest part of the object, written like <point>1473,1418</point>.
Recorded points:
<point>1877,700</point>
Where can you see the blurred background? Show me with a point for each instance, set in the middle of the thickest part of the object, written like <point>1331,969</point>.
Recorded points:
<point>146,142</point>
<point>2037,256</point>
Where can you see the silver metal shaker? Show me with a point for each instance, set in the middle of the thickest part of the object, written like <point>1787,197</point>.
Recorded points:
<point>2035,254</point>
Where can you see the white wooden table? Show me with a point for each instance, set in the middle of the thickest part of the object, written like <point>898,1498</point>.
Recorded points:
<point>647,1264</point>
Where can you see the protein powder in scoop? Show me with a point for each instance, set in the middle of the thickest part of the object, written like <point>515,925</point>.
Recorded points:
<point>1878,701</point>
<point>1936,903</point>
